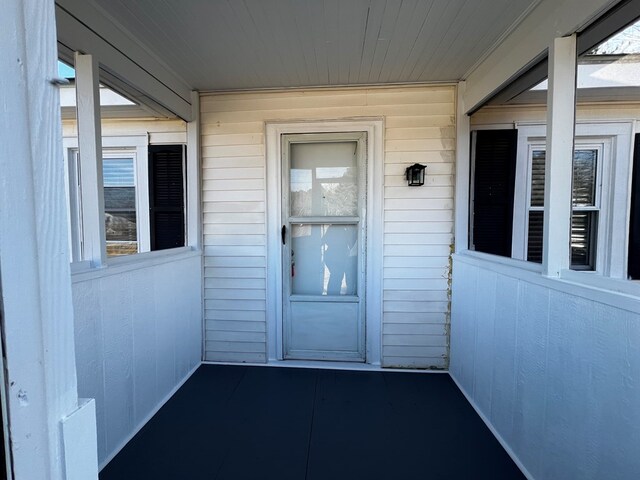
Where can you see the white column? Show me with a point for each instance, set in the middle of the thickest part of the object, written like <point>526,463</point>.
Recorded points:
<point>37,310</point>
<point>193,218</point>
<point>463,136</point>
<point>561,106</point>
<point>90,148</point>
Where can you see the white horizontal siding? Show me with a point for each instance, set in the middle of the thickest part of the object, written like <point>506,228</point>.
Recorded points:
<point>158,130</point>
<point>418,222</point>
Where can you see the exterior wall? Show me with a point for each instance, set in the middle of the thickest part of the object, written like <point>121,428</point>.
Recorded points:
<point>418,222</point>
<point>138,323</point>
<point>160,130</point>
<point>138,332</point>
<point>508,115</point>
<point>552,366</point>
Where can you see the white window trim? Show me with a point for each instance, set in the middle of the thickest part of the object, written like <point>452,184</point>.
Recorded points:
<point>128,144</point>
<point>141,185</point>
<point>616,140</point>
<point>603,167</point>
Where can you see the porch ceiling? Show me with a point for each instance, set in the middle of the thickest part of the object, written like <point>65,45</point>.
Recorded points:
<point>243,44</point>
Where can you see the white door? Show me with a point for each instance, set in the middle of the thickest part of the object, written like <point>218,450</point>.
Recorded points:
<point>323,234</point>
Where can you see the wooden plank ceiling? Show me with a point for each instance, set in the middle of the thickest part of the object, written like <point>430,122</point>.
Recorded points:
<point>242,44</point>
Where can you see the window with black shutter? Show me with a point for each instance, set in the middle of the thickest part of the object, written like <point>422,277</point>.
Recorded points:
<point>166,196</point>
<point>494,172</point>
<point>633,268</point>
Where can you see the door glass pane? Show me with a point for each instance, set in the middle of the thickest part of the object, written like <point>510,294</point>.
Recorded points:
<point>324,259</point>
<point>584,177</point>
<point>324,179</point>
<point>537,178</point>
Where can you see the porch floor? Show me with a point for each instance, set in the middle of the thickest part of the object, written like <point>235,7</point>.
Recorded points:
<point>239,422</point>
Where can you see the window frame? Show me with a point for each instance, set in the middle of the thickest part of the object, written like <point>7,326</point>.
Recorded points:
<point>603,148</point>
<point>141,186</point>
<point>615,139</point>
<point>111,145</point>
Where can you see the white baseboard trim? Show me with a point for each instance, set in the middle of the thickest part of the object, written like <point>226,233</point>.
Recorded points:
<point>144,421</point>
<point>490,426</point>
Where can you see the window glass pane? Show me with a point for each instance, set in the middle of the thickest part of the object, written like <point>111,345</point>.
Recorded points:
<point>120,206</point>
<point>118,172</point>
<point>117,198</point>
<point>121,226</point>
<point>324,259</point>
<point>583,228</point>
<point>537,178</point>
<point>534,246</point>
<point>584,177</point>
<point>324,179</point>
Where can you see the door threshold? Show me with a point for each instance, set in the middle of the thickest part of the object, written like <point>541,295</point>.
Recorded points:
<point>328,365</point>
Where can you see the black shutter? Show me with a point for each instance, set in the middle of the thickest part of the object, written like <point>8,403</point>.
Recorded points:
<point>493,190</point>
<point>166,196</point>
<point>634,219</point>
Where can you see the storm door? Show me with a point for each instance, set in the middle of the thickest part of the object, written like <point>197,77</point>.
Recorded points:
<point>323,234</point>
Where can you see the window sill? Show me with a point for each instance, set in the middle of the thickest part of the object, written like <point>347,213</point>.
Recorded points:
<point>83,271</point>
<point>617,293</point>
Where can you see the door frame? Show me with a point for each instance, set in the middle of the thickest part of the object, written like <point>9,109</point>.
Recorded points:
<point>374,129</point>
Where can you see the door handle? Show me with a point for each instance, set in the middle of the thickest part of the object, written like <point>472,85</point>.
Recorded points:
<point>283,233</point>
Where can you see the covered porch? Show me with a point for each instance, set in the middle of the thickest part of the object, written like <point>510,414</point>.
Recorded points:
<point>247,422</point>
<point>172,300</point>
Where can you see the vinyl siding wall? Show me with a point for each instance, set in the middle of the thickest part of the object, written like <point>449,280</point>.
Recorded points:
<point>418,222</point>
<point>159,130</point>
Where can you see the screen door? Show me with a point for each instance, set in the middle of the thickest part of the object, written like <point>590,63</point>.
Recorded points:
<point>323,234</point>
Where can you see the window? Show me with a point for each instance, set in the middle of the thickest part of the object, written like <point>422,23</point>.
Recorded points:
<point>600,191</point>
<point>120,217</point>
<point>144,197</point>
<point>585,208</point>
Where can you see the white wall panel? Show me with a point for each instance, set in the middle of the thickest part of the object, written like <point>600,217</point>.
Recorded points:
<point>418,222</point>
<point>138,335</point>
<point>555,373</point>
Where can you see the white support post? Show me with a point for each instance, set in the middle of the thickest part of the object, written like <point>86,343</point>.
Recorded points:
<point>36,306</point>
<point>90,148</point>
<point>193,217</point>
<point>463,136</point>
<point>561,107</point>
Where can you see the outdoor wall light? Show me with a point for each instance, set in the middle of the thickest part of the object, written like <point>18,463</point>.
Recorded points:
<point>415,175</point>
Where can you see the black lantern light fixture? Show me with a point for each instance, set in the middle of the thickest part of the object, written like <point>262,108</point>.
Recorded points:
<point>415,175</point>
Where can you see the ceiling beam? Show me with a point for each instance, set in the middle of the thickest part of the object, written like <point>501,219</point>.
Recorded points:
<point>524,47</point>
<point>125,65</point>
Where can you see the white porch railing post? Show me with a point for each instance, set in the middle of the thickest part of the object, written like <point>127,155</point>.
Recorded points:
<point>36,294</point>
<point>559,157</point>
<point>193,217</point>
<point>90,148</point>
<point>463,134</point>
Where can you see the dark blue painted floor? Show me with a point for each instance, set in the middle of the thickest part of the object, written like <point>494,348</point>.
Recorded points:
<point>237,422</point>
